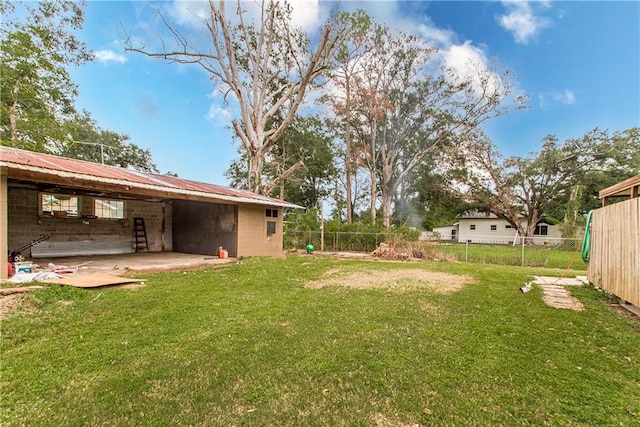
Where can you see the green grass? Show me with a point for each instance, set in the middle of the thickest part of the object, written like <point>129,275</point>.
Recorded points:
<point>534,256</point>
<point>250,345</point>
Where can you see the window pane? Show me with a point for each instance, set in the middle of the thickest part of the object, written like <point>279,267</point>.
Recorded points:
<point>59,205</point>
<point>271,228</point>
<point>112,209</point>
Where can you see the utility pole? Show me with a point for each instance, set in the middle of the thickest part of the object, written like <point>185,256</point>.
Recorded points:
<point>321,226</point>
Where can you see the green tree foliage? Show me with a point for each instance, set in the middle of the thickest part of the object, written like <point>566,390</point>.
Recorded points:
<point>307,142</point>
<point>38,44</point>
<point>432,201</point>
<point>37,92</point>
<point>540,184</point>
<point>92,143</point>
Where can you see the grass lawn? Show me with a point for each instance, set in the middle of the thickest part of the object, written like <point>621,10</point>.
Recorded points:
<point>252,345</point>
<point>534,256</point>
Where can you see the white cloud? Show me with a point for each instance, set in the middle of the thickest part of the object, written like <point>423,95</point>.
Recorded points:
<point>190,12</point>
<point>109,56</point>
<point>307,14</point>
<point>435,35</point>
<point>565,97</point>
<point>219,110</point>
<point>218,113</point>
<point>523,19</point>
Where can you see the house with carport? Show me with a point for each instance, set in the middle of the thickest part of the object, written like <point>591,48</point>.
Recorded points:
<point>84,208</point>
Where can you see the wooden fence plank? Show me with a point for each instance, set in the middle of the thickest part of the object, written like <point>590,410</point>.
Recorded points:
<point>614,263</point>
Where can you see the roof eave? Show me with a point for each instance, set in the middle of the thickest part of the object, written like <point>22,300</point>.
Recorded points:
<point>161,190</point>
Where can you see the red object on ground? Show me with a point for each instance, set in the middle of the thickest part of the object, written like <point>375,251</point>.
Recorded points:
<point>10,271</point>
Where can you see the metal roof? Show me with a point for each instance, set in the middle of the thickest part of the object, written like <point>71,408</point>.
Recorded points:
<point>22,162</point>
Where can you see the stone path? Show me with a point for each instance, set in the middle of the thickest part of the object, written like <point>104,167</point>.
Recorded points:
<point>555,293</point>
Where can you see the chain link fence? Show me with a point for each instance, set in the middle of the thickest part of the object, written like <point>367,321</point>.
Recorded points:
<point>336,241</point>
<point>529,251</point>
<point>539,251</point>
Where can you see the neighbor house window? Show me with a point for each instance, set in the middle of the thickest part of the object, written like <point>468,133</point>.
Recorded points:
<point>112,209</point>
<point>59,205</point>
<point>508,226</point>
<point>271,213</point>
<point>541,230</point>
<point>494,227</point>
<point>472,227</point>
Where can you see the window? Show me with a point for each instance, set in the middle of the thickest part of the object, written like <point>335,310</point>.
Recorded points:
<point>59,205</point>
<point>541,230</point>
<point>112,209</point>
<point>472,227</point>
<point>271,228</point>
<point>508,226</point>
<point>271,213</point>
<point>494,227</point>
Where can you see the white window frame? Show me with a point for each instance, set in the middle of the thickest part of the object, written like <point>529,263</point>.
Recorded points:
<point>59,203</point>
<point>114,212</point>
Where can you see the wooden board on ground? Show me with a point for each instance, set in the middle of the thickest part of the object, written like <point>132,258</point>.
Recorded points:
<point>93,280</point>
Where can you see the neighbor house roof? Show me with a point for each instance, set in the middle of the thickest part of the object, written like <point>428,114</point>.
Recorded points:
<point>44,168</point>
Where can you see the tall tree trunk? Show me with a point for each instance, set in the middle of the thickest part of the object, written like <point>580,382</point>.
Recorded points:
<point>374,194</point>
<point>13,122</point>
<point>256,163</point>
<point>348,154</point>
<point>571,215</point>
<point>387,198</point>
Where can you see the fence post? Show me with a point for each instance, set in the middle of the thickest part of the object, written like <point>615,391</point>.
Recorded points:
<point>522,256</point>
<point>466,251</point>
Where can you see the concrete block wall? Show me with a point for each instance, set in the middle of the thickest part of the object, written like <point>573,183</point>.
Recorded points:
<point>26,223</point>
<point>157,220</point>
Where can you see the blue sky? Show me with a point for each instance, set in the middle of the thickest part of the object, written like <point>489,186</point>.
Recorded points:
<point>578,61</point>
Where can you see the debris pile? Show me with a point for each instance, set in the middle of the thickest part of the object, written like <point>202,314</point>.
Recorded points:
<point>405,251</point>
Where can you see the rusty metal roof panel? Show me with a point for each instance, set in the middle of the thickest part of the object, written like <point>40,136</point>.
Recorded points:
<point>13,156</point>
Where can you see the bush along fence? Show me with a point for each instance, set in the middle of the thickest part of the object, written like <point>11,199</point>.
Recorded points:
<point>337,241</point>
<point>531,252</point>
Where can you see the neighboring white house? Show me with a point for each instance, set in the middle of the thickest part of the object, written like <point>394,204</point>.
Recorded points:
<point>488,228</point>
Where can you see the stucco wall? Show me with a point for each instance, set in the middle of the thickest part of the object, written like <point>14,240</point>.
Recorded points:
<point>252,233</point>
<point>502,234</point>
<point>26,223</point>
<point>446,232</point>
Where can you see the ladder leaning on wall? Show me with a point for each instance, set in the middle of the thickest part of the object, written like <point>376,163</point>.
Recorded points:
<point>140,242</point>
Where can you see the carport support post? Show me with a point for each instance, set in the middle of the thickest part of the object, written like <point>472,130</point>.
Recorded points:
<point>4,223</point>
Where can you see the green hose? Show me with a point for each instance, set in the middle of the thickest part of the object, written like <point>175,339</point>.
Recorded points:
<point>586,242</point>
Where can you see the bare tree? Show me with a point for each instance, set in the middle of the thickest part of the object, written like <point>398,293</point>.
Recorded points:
<point>358,43</point>
<point>412,107</point>
<point>267,66</point>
